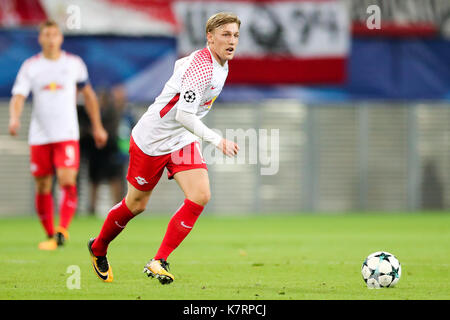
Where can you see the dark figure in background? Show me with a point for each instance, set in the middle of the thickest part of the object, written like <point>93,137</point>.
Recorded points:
<point>432,187</point>
<point>105,164</point>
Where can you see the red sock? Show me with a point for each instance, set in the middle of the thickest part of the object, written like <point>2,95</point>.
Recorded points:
<point>115,222</point>
<point>44,208</point>
<point>179,227</point>
<point>69,200</point>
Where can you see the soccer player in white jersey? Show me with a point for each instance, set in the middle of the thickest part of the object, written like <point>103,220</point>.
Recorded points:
<point>54,76</point>
<point>167,136</point>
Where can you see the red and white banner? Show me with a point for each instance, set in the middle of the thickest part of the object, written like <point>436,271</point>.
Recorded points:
<point>280,41</point>
<point>283,41</point>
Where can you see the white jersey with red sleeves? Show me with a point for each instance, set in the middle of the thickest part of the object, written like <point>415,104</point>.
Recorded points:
<point>54,86</point>
<point>196,82</point>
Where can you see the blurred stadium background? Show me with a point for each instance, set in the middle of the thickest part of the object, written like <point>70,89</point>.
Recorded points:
<point>363,114</point>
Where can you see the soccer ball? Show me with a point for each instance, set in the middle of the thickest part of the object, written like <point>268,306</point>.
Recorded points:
<point>381,269</point>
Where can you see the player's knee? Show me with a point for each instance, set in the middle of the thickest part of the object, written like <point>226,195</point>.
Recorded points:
<point>201,197</point>
<point>67,181</point>
<point>138,208</point>
<point>43,189</point>
<point>136,200</point>
<point>43,185</point>
<point>136,205</point>
<point>66,177</point>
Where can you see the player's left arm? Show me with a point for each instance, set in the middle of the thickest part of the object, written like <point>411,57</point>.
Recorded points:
<point>194,82</point>
<point>93,110</point>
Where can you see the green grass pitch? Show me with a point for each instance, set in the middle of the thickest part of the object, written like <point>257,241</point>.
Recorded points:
<point>236,258</point>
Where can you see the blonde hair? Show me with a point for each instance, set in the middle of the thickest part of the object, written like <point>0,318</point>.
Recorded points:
<point>221,18</point>
<point>48,23</point>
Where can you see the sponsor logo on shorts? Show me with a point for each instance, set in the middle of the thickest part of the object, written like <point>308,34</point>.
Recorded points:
<point>141,181</point>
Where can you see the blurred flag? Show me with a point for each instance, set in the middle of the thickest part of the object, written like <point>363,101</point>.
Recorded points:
<point>15,13</point>
<point>122,17</point>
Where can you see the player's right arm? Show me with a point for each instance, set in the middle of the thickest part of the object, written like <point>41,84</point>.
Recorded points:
<point>15,111</point>
<point>20,91</point>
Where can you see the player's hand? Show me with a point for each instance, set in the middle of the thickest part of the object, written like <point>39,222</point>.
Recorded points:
<point>229,148</point>
<point>14,126</point>
<point>100,137</point>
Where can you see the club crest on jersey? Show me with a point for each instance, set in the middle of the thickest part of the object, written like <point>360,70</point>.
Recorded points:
<point>189,96</point>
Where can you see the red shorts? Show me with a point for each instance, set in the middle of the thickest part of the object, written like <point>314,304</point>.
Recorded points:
<point>46,157</point>
<point>144,171</point>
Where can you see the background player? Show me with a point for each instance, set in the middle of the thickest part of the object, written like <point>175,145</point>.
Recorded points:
<point>166,136</point>
<point>54,76</point>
